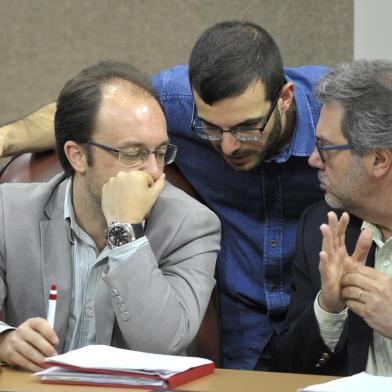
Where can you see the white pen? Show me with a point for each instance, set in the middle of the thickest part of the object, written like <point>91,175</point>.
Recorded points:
<point>52,305</point>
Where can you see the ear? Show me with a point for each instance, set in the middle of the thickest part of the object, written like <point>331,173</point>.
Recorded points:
<point>76,155</point>
<point>286,96</point>
<point>381,162</point>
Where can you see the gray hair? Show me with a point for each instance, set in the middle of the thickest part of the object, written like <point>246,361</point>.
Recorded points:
<point>363,88</point>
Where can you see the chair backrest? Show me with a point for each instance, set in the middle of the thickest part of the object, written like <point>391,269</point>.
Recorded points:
<point>40,167</point>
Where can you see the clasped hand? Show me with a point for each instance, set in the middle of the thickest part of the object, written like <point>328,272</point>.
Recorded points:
<point>29,344</point>
<point>346,281</point>
<point>129,196</point>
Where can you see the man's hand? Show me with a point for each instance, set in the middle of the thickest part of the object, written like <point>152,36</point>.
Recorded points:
<point>368,293</point>
<point>129,197</point>
<point>335,262</point>
<point>29,344</point>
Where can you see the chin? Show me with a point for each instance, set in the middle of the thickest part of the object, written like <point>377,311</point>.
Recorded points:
<point>244,167</point>
<point>333,201</point>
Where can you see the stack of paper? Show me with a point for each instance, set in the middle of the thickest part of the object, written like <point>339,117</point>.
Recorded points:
<point>361,382</point>
<point>111,366</point>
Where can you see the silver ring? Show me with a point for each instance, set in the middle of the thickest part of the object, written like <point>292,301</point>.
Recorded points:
<point>359,295</point>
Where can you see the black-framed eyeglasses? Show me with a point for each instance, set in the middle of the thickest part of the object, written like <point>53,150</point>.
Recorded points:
<point>135,156</point>
<point>244,134</point>
<point>321,148</point>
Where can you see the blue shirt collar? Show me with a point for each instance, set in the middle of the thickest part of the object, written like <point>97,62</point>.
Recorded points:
<point>302,144</point>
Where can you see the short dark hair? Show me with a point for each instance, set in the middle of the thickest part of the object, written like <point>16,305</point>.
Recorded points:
<point>230,56</point>
<point>363,89</point>
<point>80,98</point>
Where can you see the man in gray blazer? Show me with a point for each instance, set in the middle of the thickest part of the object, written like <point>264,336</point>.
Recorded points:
<point>133,257</point>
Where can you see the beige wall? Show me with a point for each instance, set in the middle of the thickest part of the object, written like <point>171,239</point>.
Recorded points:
<point>45,42</point>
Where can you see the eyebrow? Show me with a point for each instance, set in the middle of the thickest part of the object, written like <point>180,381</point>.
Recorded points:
<point>322,139</point>
<point>141,145</point>
<point>242,123</point>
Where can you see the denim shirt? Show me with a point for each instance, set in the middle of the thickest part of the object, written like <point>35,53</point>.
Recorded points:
<point>258,209</point>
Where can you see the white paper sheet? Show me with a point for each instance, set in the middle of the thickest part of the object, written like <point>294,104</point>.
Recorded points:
<point>361,382</point>
<point>112,358</point>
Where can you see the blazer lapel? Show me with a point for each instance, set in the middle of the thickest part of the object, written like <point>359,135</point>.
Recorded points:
<point>56,261</point>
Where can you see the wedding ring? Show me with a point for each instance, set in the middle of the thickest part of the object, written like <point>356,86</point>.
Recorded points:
<point>359,295</point>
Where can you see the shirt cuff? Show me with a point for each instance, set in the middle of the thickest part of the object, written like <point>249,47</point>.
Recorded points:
<point>122,253</point>
<point>331,324</point>
<point>5,327</point>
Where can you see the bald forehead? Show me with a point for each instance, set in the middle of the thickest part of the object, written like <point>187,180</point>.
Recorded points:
<point>125,105</point>
<point>113,88</point>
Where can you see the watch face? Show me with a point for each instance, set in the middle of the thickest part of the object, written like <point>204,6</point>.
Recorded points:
<point>118,236</point>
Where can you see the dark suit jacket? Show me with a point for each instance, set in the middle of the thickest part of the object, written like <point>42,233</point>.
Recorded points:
<point>300,346</point>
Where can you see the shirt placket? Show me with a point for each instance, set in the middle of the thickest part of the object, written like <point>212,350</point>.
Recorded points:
<point>273,239</point>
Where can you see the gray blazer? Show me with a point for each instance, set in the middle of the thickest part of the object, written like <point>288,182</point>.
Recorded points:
<point>154,301</point>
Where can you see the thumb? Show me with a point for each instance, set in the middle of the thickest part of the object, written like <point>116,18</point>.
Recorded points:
<point>158,185</point>
<point>363,246</point>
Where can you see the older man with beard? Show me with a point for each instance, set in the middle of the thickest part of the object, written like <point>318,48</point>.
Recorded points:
<point>340,317</point>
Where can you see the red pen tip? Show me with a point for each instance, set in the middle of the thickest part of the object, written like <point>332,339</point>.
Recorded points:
<point>53,287</point>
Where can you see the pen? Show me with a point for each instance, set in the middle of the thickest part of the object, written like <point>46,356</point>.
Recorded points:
<point>52,304</point>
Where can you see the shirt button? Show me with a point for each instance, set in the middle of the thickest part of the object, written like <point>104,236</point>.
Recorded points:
<point>90,313</point>
<point>121,307</point>
<point>118,299</point>
<point>125,316</point>
<point>273,243</point>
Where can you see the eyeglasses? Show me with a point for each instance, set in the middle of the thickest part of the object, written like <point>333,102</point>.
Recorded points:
<point>244,134</point>
<point>333,147</point>
<point>135,156</point>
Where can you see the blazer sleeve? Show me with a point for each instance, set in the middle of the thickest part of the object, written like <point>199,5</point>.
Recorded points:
<point>159,297</point>
<point>300,347</point>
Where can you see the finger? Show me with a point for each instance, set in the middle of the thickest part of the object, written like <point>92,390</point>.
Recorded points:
<point>363,246</point>
<point>159,184</point>
<point>371,273</point>
<point>45,329</point>
<point>342,226</point>
<point>358,280</point>
<point>323,265</point>
<point>333,224</point>
<point>356,307</point>
<point>327,242</point>
<point>37,333</point>
<point>20,352</point>
<point>146,177</point>
<point>17,359</point>
<point>354,293</point>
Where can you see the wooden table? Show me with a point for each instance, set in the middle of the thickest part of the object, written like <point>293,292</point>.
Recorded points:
<point>221,381</point>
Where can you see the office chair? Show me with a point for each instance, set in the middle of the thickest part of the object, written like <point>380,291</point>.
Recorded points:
<point>40,167</point>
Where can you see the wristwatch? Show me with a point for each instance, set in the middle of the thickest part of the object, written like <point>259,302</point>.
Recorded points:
<point>119,234</point>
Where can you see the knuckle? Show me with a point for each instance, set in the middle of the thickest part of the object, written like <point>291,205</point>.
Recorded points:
<point>13,338</point>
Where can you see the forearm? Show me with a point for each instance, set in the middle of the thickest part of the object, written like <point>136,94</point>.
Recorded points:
<point>31,134</point>
<point>158,312</point>
<point>331,324</point>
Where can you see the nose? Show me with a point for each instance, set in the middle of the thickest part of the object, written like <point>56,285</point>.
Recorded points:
<point>152,167</point>
<point>229,143</point>
<point>315,160</point>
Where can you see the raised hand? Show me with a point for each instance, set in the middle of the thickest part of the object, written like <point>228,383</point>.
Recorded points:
<point>335,261</point>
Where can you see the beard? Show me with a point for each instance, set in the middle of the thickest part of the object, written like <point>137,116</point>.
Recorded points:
<point>345,195</point>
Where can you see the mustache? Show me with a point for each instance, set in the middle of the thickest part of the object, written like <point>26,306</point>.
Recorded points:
<point>322,179</point>
<point>241,153</point>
